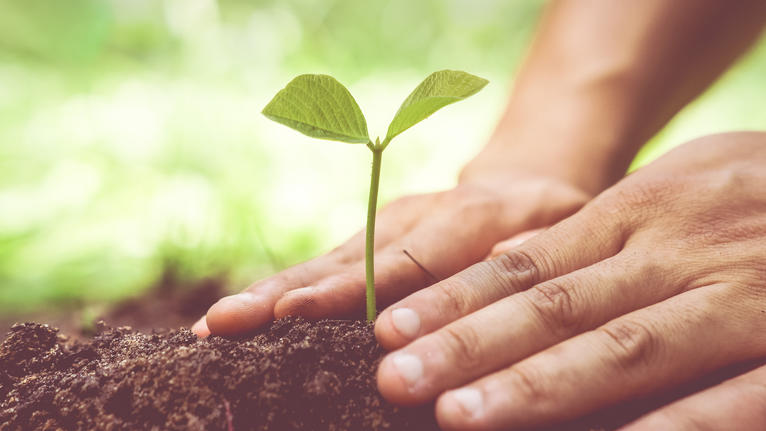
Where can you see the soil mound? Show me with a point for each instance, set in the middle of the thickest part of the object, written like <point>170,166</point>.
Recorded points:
<point>295,375</point>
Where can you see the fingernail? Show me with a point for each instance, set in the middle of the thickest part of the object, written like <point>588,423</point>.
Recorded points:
<point>200,323</point>
<point>409,367</point>
<point>200,328</point>
<point>406,321</point>
<point>470,400</point>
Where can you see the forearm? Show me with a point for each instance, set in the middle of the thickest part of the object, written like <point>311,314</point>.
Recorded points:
<point>603,76</point>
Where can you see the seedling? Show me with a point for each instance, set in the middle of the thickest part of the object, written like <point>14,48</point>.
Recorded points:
<point>321,107</point>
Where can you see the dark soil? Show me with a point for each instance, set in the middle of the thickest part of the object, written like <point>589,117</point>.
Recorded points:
<point>294,376</point>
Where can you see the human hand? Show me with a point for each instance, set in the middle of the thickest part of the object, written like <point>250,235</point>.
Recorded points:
<point>735,404</point>
<point>658,280</point>
<point>445,232</point>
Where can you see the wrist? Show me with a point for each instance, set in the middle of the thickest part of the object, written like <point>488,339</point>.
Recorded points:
<point>581,134</point>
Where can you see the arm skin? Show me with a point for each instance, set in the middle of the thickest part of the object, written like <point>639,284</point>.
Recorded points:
<point>604,76</point>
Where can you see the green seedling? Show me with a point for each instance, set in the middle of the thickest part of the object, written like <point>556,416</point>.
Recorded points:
<point>321,107</point>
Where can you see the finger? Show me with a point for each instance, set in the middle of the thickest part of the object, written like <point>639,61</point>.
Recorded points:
<point>637,354</point>
<point>512,242</point>
<point>254,307</point>
<point>342,294</point>
<point>737,404</point>
<point>576,242</point>
<point>200,328</point>
<point>518,326</point>
<point>433,254</point>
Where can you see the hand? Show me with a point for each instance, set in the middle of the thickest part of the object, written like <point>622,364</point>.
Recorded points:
<point>736,404</point>
<point>658,280</point>
<point>445,232</point>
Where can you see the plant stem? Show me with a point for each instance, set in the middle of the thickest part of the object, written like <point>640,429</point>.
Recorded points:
<point>369,248</point>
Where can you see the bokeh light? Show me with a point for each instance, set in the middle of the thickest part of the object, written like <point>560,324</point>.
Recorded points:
<point>131,138</point>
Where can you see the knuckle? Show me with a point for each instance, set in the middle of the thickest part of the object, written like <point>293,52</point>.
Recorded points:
<point>514,270</point>
<point>517,261</point>
<point>553,303</point>
<point>452,298</point>
<point>464,345</point>
<point>501,277</point>
<point>632,344</point>
<point>530,385</point>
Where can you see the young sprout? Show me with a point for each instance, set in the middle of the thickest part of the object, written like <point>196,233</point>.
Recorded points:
<point>321,107</point>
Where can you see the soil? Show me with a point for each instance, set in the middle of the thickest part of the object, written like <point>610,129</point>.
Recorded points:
<point>296,375</point>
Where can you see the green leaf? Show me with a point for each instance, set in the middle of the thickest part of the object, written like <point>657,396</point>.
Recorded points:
<point>321,107</point>
<point>435,92</point>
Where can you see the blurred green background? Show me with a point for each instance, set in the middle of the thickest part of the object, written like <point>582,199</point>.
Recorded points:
<point>131,140</point>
